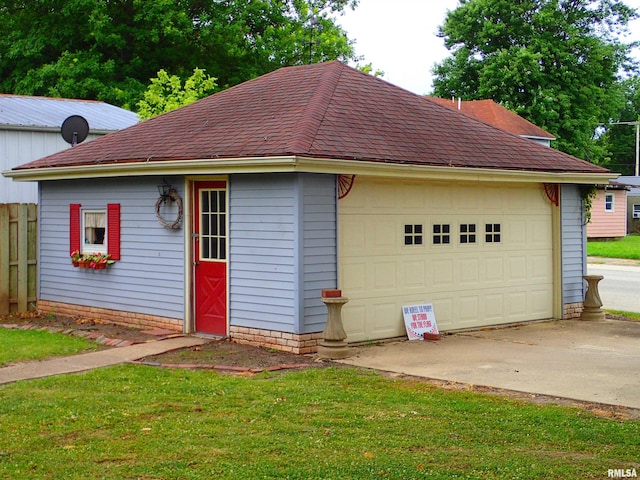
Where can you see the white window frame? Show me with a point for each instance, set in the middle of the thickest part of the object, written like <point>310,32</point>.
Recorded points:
<point>635,209</point>
<point>414,233</point>
<point>609,202</point>
<point>493,233</point>
<point>468,234</point>
<point>92,247</point>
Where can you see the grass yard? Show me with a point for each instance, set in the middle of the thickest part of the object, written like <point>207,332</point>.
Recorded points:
<point>22,345</point>
<point>141,422</point>
<point>628,247</point>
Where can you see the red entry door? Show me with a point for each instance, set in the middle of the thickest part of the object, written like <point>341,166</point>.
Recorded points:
<point>210,252</point>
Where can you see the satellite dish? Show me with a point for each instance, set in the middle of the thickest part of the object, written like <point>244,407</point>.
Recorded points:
<point>74,130</point>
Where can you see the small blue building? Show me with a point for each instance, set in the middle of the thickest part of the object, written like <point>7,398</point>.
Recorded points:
<point>230,215</point>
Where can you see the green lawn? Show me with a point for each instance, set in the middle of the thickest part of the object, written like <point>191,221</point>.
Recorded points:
<point>21,345</point>
<point>140,422</point>
<point>628,247</point>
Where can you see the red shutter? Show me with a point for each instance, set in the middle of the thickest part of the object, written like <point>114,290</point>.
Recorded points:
<point>113,230</point>
<point>74,227</point>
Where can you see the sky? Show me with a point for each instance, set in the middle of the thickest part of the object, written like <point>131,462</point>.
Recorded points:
<point>399,38</point>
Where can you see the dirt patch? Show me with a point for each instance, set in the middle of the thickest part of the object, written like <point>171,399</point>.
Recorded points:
<point>77,324</point>
<point>224,353</point>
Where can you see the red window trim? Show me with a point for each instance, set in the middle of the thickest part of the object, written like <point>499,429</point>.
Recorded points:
<point>74,227</point>
<point>113,229</point>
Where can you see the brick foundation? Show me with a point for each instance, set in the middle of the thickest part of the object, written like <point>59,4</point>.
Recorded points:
<point>285,342</point>
<point>128,319</point>
<point>572,310</point>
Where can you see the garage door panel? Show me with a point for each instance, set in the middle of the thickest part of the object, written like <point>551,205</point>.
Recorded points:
<point>494,269</point>
<point>539,233</point>
<point>541,266</point>
<point>384,279</point>
<point>384,235</point>
<point>516,235</point>
<point>468,310</point>
<point>353,237</point>
<point>386,320</point>
<point>354,278</point>
<point>517,269</point>
<point>470,284</point>
<point>469,271</point>
<point>517,305</point>
<point>442,273</point>
<point>539,303</point>
<point>355,328</point>
<point>494,307</point>
<point>414,274</point>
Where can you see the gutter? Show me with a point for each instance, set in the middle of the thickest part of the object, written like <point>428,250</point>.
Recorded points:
<point>45,129</point>
<point>289,164</point>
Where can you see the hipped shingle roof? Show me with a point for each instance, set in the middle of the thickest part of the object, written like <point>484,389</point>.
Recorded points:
<point>327,111</point>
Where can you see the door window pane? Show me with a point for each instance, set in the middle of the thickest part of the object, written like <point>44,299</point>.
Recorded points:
<point>212,225</point>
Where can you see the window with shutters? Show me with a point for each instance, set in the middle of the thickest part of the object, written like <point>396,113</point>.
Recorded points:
<point>95,230</point>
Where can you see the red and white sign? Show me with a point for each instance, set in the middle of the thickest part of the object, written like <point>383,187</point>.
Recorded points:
<point>419,319</point>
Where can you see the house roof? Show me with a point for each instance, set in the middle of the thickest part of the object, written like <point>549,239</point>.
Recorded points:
<point>495,114</point>
<point>327,112</point>
<point>633,182</point>
<point>37,113</point>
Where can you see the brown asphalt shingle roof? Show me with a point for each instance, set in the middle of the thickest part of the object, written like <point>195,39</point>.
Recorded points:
<point>495,114</point>
<point>325,110</point>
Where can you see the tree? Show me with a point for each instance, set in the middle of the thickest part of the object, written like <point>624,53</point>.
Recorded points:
<point>110,49</point>
<point>555,62</point>
<point>619,139</point>
<point>167,92</point>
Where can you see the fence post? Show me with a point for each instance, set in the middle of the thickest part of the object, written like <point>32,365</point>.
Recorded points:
<point>23,259</point>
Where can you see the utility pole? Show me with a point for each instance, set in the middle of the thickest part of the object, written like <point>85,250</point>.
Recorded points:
<point>637,124</point>
<point>314,25</point>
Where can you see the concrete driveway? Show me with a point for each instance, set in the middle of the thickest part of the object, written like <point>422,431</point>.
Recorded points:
<point>587,361</point>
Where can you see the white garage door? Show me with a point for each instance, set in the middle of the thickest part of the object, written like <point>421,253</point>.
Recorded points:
<point>481,254</point>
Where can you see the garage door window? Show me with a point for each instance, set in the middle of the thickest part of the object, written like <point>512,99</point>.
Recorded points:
<point>441,234</point>
<point>492,233</point>
<point>413,234</point>
<point>467,233</point>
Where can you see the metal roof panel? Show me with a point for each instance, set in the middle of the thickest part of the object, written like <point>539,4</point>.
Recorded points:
<point>44,112</point>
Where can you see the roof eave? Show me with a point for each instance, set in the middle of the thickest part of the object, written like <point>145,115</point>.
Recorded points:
<point>49,129</point>
<point>283,164</point>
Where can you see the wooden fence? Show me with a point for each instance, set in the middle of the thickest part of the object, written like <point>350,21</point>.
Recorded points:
<point>18,256</point>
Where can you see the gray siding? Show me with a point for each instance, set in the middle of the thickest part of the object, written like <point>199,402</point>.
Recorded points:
<point>319,247</point>
<point>22,146</point>
<point>281,250</point>
<point>573,244</point>
<point>149,278</point>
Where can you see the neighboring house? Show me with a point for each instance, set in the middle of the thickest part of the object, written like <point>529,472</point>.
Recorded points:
<point>608,212</point>
<point>495,114</point>
<point>308,178</point>
<point>30,129</point>
<point>633,202</point>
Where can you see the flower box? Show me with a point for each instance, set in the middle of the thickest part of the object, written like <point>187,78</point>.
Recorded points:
<point>95,261</point>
